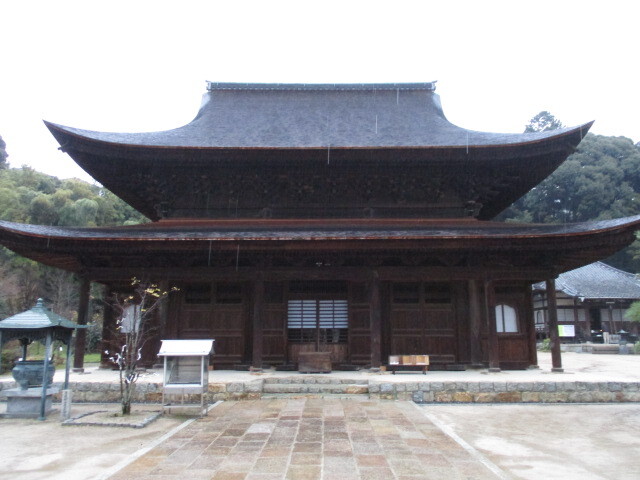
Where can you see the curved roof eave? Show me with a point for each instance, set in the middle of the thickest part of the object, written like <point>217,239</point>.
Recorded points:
<point>323,231</point>
<point>175,139</point>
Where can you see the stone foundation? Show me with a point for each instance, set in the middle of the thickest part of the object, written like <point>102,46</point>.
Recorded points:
<point>419,392</point>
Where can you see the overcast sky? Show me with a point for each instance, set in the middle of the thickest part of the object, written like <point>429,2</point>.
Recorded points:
<point>142,65</point>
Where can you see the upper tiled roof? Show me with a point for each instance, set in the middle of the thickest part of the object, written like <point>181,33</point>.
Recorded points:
<point>597,281</point>
<point>318,116</point>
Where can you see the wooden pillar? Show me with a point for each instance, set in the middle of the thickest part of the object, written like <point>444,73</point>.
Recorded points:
<point>375,320</point>
<point>159,333</point>
<point>552,305</point>
<point>258,305</point>
<point>530,325</point>
<point>108,330</point>
<point>163,310</point>
<point>612,324</point>
<point>475,320</point>
<point>490,311</point>
<point>81,333</point>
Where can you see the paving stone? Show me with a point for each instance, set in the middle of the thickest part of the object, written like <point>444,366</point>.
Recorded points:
<point>371,460</point>
<point>271,465</point>
<point>304,472</point>
<point>362,439</point>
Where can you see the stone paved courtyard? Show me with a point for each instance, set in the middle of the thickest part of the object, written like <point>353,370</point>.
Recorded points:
<point>305,439</point>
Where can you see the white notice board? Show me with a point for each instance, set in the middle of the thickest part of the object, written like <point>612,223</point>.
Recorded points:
<point>567,330</point>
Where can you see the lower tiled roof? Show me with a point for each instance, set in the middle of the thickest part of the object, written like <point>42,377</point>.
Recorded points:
<point>597,281</point>
<point>311,230</point>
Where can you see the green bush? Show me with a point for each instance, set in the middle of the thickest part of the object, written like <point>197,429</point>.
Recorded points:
<point>545,345</point>
<point>7,361</point>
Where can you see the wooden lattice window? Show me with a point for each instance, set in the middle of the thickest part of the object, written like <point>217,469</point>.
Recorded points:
<point>323,321</point>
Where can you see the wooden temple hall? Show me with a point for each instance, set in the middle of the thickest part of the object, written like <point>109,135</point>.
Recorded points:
<point>350,219</point>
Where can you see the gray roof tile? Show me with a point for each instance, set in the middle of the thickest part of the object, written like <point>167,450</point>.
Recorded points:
<point>597,281</point>
<point>318,116</point>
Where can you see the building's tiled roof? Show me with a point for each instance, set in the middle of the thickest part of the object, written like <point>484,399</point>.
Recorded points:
<point>316,230</point>
<point>318,116</point>
<point>38,317</point>
<point>597,281</point>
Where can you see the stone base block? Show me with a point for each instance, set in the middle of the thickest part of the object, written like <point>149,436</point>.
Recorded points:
<point>26,403</point>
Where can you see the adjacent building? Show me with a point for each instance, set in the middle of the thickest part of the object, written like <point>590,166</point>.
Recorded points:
<point>591,301</point>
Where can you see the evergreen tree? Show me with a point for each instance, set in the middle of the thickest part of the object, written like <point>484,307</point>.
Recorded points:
<point>3,154</point>
<point>542,122</point>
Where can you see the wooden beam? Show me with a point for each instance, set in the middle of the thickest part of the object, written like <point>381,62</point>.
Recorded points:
<point>552,305</point>
<point>362,273</point>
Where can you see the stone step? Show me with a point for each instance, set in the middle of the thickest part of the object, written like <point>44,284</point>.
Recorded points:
<point>314,379</point>
<point>316,388</point>
<point>290,396</point>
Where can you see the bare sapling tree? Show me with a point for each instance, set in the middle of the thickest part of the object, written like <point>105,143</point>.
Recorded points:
<point>134,328</point>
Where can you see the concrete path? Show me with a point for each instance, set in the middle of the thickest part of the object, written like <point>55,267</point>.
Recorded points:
<point>47,450</point>
<point>563,442</point>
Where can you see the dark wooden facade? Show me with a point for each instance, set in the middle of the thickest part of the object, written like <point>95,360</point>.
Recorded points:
<point>350,219</point>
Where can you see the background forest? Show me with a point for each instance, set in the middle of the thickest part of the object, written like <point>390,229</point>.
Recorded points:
<point>601,180</point>
<point>27,196</point>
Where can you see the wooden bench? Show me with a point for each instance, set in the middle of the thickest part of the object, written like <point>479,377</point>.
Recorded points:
<point>409,362</point>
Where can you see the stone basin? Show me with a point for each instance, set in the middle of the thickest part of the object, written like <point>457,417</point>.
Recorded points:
<point>28,373</point>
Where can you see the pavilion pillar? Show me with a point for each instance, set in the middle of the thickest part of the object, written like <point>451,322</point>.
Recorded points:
<point>475,320</point>
<point>554,337</point>
<point>258,305</point>
<point>81,334</point>
<point>375,320</point>
<point>108,330</point>
<point>490,312</point>
<point>45,368</point>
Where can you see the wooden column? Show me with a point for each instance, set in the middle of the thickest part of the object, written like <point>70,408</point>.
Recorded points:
<point>612,324</point>
<point>475,319</point>
<point>375,320</point>
<point>107,348</point>
<point>490,312</point>
<point>159,333</point>
<point>258,305</point>
<point>81,333</point>
<point>163,310</point>
<point>552,306</point>
<point>530,325</point>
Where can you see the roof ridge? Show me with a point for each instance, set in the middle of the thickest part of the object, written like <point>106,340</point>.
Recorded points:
<point>428,86</point>
<point>611,267</point>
